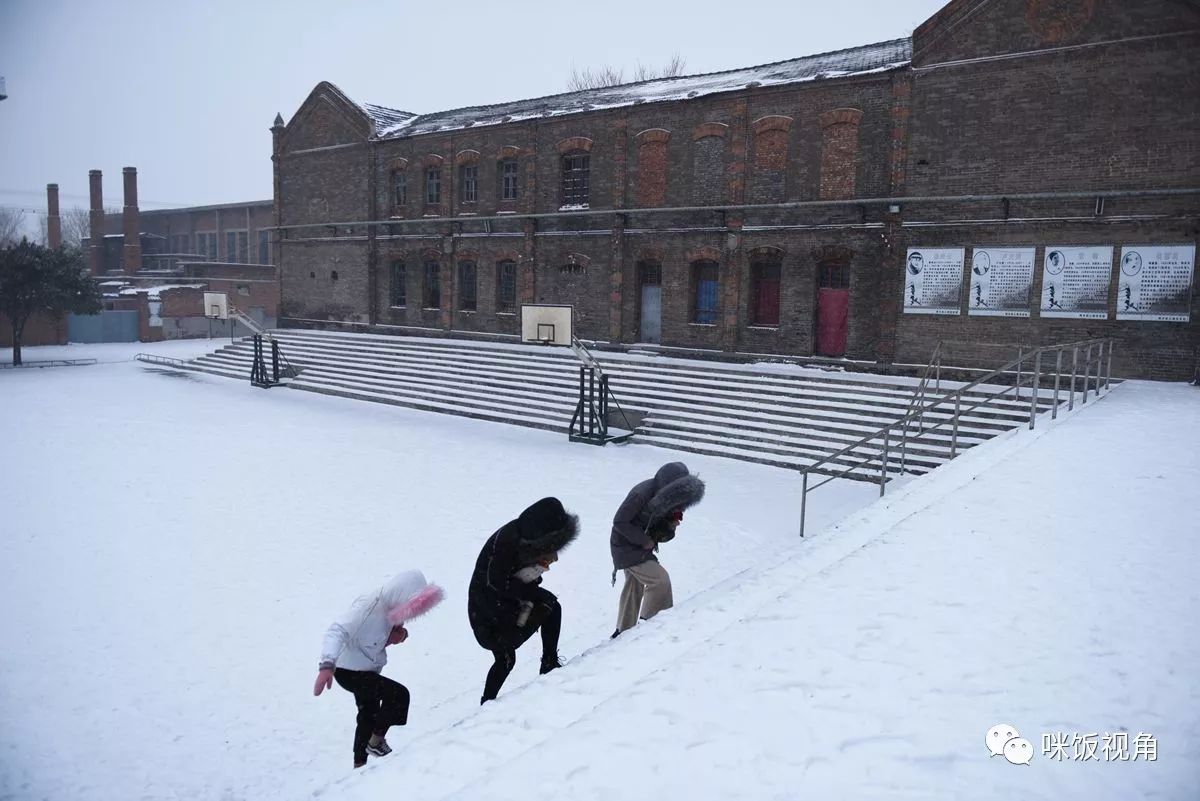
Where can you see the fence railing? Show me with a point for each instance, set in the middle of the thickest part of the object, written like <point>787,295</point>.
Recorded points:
<point>885,450</point>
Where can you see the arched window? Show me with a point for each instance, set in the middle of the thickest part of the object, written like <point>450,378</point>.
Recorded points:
<point>576,169</point>
<point>466,286</point>
<point>510,187</point>
<point>706,292</point>
<point>765,283</point>
<point>399,275</point>
<point>433,285</point>
<point>506,286</point>
<point>399,189</point>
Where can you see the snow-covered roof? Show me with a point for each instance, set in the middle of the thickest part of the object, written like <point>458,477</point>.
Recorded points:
<point>153,291</point>
<point>880,57</point>
<point>385,117</point>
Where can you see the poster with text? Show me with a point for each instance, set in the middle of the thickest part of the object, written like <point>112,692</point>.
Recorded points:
<point>933,280</point>
<point>1001,282</point>
<point>1075,281</point>
<point>1155,283</point>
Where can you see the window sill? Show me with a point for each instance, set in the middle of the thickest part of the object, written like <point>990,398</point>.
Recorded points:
<point>398,308</point>
<point>704,325</point>
<point>431,308</point>
<point>468,311</point>
<point>574,207</point>
<point>506,314</point>
<point>467,213</point>
<point>763,328</point>
<point>506,211</point>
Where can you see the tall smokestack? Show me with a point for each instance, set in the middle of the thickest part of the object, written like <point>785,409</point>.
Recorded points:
<point>131,260</point>
<point>53,221</point>
<point>96,223</point>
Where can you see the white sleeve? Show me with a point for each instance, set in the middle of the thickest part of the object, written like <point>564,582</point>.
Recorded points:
<point>344,629</point>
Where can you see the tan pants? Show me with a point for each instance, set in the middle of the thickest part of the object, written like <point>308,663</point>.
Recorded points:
<point>647,589</point>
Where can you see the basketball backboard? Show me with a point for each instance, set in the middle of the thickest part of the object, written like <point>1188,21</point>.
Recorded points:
<point>216,305</point>
<point>546,324</point>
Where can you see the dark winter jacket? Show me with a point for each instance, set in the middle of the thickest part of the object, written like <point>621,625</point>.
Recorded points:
<point>495,596</point>
<point>640,522</point>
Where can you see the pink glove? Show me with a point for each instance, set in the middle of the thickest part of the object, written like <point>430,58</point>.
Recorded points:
<point>324,681</point>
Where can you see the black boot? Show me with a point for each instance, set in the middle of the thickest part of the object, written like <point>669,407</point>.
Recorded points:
<point>549,662</point>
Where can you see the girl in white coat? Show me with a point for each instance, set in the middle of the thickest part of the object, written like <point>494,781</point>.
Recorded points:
<point>354,653</point>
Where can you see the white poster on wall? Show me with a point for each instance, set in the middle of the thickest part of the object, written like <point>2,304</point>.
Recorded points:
<point>1155,283</point>
<point>1075,281</point>
<point>1001,282</point>
<point>933,280</point>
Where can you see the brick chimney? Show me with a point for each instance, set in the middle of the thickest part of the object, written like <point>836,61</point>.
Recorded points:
<point>53,221</point>
<point>131,259</point>
<point>96,223</point>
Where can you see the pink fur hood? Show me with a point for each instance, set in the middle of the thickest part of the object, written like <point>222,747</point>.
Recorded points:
<point>408,595</point>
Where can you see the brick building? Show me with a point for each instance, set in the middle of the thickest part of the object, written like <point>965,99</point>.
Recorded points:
<point>777,209</point>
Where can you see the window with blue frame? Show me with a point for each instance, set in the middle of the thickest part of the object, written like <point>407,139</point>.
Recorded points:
<point>705,292</point>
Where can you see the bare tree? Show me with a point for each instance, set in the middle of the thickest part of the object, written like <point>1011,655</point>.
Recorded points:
<point>76,226</point>
<point>598,77</point>
<point>671,69</point>
<point>11,222</point>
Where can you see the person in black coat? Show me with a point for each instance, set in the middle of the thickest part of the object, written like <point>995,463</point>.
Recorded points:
<point>506,609</point>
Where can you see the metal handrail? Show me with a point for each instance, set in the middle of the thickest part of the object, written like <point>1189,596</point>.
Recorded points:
<point>1102,369</point>
<point>934,366</point>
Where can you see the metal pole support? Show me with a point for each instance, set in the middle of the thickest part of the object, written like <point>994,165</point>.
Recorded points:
<point>1074,373</point>
<point>803,503</point>
<point>887,432</point>
<point>1087,371</point>
<point>1099,368</point>
<point>954,428</point>
<point>1057,378</point>
<point>1037,383</point>
<point>1108,372</point>
<point>1020,359</point>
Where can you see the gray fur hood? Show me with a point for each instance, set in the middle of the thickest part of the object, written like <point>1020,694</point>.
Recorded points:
<point>675,488</point>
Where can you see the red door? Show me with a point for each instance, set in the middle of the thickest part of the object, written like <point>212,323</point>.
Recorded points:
<point>833,309</point>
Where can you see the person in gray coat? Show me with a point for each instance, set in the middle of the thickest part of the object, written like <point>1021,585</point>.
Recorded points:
<point>649,515</point>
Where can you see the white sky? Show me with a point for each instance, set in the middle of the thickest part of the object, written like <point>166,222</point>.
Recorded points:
<point>186,91</point>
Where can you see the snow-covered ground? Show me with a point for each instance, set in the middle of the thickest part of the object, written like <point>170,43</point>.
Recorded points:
<point>175,545</point>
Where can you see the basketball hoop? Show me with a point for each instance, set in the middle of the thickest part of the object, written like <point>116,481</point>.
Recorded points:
<point>546,324</point>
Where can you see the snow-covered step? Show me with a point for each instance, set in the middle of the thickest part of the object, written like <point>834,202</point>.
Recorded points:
<point>633,396</point>
<point>432,404</point>
<point>783,418</point>
<point>621,362</point>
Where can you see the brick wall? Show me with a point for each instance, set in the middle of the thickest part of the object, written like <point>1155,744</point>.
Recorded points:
<point>1115,116</point>
<point>39,330</point>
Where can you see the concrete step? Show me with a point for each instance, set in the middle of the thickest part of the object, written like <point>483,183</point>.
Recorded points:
<point>839,417</point>
<point>648,394</point>
<point>755,372</point>
<point>785,419</point>
<point>525,360</point>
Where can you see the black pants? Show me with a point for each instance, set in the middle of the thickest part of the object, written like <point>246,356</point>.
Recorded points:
<point>381,703</point>
<point>545,617</point>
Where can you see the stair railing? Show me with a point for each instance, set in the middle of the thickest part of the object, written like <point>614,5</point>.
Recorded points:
<point>896,432</point>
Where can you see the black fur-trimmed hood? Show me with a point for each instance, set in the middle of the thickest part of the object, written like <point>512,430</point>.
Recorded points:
<point>543,528</point>
<point>678,489</point>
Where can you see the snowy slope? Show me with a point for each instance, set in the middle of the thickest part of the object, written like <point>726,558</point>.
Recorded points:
<point>1038,581</point>
<point>175,545</point>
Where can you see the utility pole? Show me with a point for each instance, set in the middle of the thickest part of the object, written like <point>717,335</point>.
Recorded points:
<point>3,93</point>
